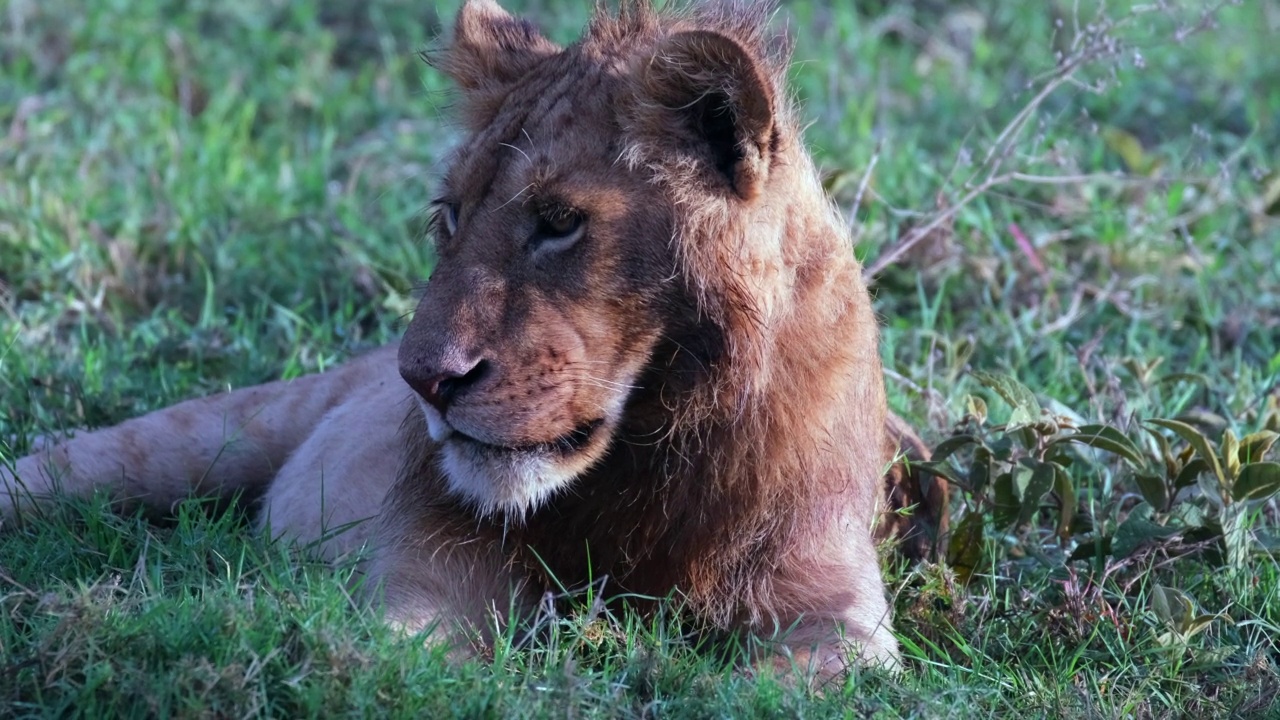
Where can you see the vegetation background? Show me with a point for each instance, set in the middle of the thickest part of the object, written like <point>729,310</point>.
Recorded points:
<point>1082,196</point>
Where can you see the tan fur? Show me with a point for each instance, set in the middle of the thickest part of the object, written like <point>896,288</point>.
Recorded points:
<point>646,353</point>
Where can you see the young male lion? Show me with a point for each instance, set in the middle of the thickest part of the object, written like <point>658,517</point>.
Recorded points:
<point>646,352</point>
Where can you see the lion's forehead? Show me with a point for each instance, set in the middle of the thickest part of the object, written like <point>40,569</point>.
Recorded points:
<point>555,124</point>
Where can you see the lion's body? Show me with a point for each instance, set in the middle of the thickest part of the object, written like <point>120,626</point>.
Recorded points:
<point>666,374</point>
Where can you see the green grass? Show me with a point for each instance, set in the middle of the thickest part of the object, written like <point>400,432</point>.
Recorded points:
<point>209,194</point>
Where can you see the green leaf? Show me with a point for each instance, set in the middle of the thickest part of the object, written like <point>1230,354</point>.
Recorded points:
<point>1197,440</point>
<point>1066,489</point>
<point>1230,455</point>
<point>1255,446</point>
<point>1153,490</point>
<point>1203,418</point>
<point>1166,452</point>
<point>1188,515</point>
<point>964,551</point>
<point>1038,484</point>
<point>1137,531</point>
<point>948,447</point>
<point>1189,473</point>
<point>1104,437</point>
<point>1257,481</point>
<point>940,469</point>
<point>1027,436</point>
<point>1090,549</point>
<point>1212,490</point>
<point>1161,607</point>
<point>1002,448</point>
<point>1007,507</point>
<point>980,471</point>
<point>1173,607</point>
<point>1026,409</point>
<point>1198,623</point>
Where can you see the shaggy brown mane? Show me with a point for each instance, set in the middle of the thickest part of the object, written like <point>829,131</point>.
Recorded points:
<point>742,441</point>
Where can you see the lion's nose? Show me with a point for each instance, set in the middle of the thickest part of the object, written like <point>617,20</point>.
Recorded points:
<point>440,386</point>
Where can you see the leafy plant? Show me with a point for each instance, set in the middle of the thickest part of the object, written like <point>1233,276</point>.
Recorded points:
<point>1229,479</point>
<point>1189,487</point>
<point>1176,612</point>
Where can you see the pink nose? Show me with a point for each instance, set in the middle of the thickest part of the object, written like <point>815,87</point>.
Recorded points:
<point>440,386</point>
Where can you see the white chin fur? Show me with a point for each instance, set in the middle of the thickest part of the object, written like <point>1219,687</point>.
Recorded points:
<point>515,484</point>
<point>437,428</point>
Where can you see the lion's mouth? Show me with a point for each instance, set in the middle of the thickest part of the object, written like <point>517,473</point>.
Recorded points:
<point>572,442</point>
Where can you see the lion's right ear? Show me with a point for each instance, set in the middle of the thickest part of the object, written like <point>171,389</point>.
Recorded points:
<point>710,89</point>
<point>491,48</point>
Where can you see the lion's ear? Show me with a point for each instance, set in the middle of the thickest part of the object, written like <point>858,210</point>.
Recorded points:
<point>491,47</point>
<point>721,94</point>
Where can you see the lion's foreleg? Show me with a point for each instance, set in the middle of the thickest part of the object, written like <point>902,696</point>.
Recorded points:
<point>217,445</point>
<point>835,613</point>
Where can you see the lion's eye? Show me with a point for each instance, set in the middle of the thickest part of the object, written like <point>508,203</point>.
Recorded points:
<point>557,231</point>
<point>560,224</point>
<point>450,214</point>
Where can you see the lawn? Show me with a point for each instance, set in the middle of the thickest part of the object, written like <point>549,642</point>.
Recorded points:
<point>1078,199</point>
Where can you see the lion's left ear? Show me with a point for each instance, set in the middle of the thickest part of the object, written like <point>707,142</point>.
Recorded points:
<point>490,47</point>
<point>721,95</point>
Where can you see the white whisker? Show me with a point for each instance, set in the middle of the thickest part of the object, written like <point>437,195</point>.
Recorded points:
<point>517,149</point>
<point>514,197</point>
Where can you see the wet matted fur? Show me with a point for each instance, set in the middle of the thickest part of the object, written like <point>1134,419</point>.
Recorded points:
<point>646,354</point>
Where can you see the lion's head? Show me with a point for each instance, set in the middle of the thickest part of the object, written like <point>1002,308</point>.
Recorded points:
<point>610,234</point>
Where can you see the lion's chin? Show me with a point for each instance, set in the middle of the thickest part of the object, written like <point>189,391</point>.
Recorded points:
<point>516,480</point>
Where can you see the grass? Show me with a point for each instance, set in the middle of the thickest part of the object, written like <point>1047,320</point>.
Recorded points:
<point>210,194</point>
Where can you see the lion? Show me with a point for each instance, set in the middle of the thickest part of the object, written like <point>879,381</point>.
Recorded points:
<point>646,353</point>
